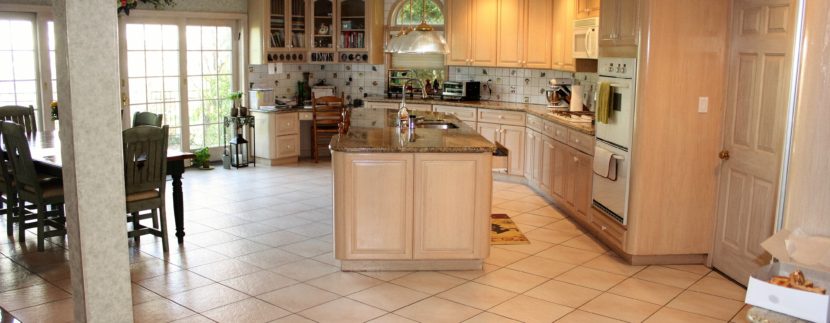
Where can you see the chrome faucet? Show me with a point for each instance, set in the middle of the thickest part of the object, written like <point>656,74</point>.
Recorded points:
<point>403,113</point>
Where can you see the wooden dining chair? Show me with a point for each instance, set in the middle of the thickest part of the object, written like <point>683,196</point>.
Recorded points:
<point>24,116</point>
<point>327,120</point>
<point>147,119</point>
<point>8,195</point>
<point>145,171</point>
<point>39,190</point>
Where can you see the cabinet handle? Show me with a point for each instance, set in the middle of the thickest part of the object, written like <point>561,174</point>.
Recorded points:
<point>501,117</point>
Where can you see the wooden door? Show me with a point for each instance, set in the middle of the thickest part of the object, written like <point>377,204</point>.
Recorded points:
<point>490,131</point>
<point>755,115</point>
<point>587,8</point>
<point>458,31</point>
<point>549,165</point>
<point>513,138</point>
<point>559,170</point>
<point>628,27</point>
<point>444,228</point>
<point>484,32</point>
<point>559,35</point>
<point>571,159</point>
<point>530,155</point>
<point>510,38</point>
<point>608,22</point>
<point>582,171</point>
<point>538,147</point>
<point>538,39</point>
<point>568,61</point>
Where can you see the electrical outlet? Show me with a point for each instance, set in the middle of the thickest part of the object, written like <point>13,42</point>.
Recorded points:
<point>703,104</point>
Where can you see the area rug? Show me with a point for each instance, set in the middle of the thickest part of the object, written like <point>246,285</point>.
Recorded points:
<point>504,231</point>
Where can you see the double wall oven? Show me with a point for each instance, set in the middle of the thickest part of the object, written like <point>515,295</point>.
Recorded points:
<point>611,195</point>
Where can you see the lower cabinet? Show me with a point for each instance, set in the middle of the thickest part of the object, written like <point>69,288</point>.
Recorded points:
<point>512,138</point>
<point>533,157</point>
<point>278,137</point>
<point>565,175</point>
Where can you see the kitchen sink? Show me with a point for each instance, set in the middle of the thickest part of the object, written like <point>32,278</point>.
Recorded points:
<point>436,125</point>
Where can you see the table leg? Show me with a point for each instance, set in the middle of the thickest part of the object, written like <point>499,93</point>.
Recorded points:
<point>176,169</point>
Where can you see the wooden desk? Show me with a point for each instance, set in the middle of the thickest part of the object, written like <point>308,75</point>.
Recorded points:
<point>46,152</point>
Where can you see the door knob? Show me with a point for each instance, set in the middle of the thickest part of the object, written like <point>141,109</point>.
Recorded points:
<point>724,154</point>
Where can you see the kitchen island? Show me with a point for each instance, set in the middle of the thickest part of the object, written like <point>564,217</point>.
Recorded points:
<point>411,199</point>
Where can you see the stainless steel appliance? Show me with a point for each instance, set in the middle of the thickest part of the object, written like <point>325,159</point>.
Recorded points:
<point>465,91</point>
<point>586,38</point>
<point>611,196</point>
<point>558,94</point>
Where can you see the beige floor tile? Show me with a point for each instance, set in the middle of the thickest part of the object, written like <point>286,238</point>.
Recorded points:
<point>613,264</point>
<point>548,211</point>
<point>293,319</point>
<point>586,242</point>
<point>585,317</point>
<point>162,310</point>
<point>278,238</point>
<point>437,310</point>
<point>388,297</point>
<point>741,317</point>
<point>566,225</point>
<point>646,291</point>
<point>30,296</point>
<point>531,248</point>
<point>670,315</point>
<point>705,304</point>
<point>487,317</point>
<point>386,275</point>
<point>591,278</point>
<point>309,248</point>
<point>249,310</point>
<point>501,257</point>
<point>392,318</point>
<point>549,236</point>
<point>429,282</point>
<point>472,274</point>
<point>512,280</point>
<point>54,312</point>
<point>568,255</point>
<point>715,274</point>
<point>259,282</point>
<point>151,268</point>
<point>477,295</point>
<point>193,258</point>
<point>521,188</point>
<point>194,319</point>
<point>270,258</point>
<point>344,283</point>
<point>668,276</point>
<point>621,308</point>
<point>533,219</point>
<point>208,297</point>
<point>342,310</point>
<point>174,283</point>
<point>298,297</point>
<point>563,293</point>
<point>720,287</point>
<point>305,269</point>
<point>536,199</point>
<point>18,277</point>
<point>528,309</point>
<point>509,195</point>
<point>210,238</point>
<point>142,295</point>
<point>238,248</point>
<point>519,206</point>
<point>697,269</point>
<point>225,269</point>
<point>542,266</point>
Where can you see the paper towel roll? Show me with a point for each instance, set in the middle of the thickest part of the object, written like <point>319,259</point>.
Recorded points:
<point>576,98</point>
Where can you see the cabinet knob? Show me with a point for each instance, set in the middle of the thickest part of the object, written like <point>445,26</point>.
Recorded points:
<point>576,140</point>
<point>576,159</point>
<point>724,154</point>
<point>604,228</point>
<point>501,117</point>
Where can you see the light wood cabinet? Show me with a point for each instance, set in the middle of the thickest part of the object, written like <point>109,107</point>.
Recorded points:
<point>524,33</point>
<point>278,137</point>
<point>509,136</point>
<point>533,156</point>
<point>511,37</point>
<point>582,170</point>
<point>619,28</point>
<point>471,32</point>
<point>563,27</point>
<point>587,8</point>
<point>467,115</point>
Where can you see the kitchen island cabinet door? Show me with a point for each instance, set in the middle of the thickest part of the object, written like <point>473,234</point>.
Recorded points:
<point>452,206</point>
<point>375,193</point>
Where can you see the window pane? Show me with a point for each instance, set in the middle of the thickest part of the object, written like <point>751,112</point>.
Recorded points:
<point>210,87</point>
<point>197,137</point>
<point>224,62</point>
<point>208,62</point>
<point>138,91</point>
<point>153,37</point>
<point>224,38</point>
<point>170,38</point>
<point>6,66</point>
<point>135,37</point>
<point>24,65</point>
<point>211,111</point>
<point>194,88</point>
<point>171,89</point>
<point>174,139</point>
<point>213,135</point>
<point>194,38</point>
<point>50,26</point>
<point>208,38</point>
<point>23,36</point>
<point>5,35</point>
<point>135,64</point>
<point>224,86</point>
<point>154,63</point>
<point>171,114</point>
<point>171,63</point>
<point>195,110</point>
<point>155,89</point>
<point>194,63</point>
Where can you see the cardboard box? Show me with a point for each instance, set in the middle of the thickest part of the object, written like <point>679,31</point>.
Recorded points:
<point>805,305</point>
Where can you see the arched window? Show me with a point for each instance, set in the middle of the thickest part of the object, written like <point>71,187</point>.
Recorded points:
<point>408,12</point>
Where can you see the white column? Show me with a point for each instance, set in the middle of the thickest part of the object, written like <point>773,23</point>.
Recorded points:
<point>88,87</point>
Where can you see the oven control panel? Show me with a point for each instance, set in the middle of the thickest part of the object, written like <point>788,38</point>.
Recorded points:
<point>617,67</point>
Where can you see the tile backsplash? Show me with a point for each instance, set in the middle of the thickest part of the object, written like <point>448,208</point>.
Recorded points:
<point>355,80</point>
<point>518,84</point>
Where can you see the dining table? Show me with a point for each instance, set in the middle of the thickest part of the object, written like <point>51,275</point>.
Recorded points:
<point>45,147</point>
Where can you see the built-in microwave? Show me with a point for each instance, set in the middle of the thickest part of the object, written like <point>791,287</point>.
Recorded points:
<point>586,38</point>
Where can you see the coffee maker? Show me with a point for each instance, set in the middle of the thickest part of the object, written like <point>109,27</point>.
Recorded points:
<point>558,94</point>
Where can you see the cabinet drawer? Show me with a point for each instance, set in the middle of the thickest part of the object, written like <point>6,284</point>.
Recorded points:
<point>462,113</point>
<point>306,115</point>
<point>382,105</point>
<point>287,124</point>
<point>612,230</point>
<point>288,146</point>
<point>501,117</point>
<point>581,141</point>
<point>534,122</point>
<point>555,131</point>
<point>419,107</point>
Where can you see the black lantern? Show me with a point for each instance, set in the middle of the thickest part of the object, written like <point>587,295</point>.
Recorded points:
<point>239,151</point>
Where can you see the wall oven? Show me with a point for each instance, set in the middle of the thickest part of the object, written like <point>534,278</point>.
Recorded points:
<point>611,195</point>
<point>586,38</point>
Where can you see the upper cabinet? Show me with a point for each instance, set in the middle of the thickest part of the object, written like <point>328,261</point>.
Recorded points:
<point>315,31</point>
<point>563,29</point>
<point>471,32</point>
<point>619,29</point>
<point>524,33</point>
<point>587,8</point>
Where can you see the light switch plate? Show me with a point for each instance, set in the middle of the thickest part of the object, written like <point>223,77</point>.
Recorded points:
<point>703,104</point>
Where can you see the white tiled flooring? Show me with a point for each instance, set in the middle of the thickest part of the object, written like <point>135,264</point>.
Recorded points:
<point>259,248</point>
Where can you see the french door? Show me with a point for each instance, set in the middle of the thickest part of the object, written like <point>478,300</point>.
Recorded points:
<point>184,69</point>
<point>18,61</point>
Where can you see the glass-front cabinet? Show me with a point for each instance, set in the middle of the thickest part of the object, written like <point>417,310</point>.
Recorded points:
<point>286,35</point>
<point>352,24</point>
<point>323,22</point>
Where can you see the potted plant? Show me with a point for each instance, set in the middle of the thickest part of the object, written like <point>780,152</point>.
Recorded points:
<point>202,158</point>
<point>54,108</point>
<point>126,5</point>
<point>236,109</point>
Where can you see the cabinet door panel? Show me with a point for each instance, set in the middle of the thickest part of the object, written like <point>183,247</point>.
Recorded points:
<point>530,154</point>
<point>509,40</point>
<point>559,170</point>
<point>513,138</point>
<point>627,26</point>
<point>489,131</point>
<point>483,32</point>
<point>383,227</point>
<point>264,127</point>
<point>287,124</point>
<point>538,147</point>
<point>568,61</point>
<point>444,228</point>
<point>458,31</point>
<point>583,170</point>
<point>538,37</point>
<point>549,166</point>
<point>560,37</point>
<point>288,146</point>
<point>608,22</point>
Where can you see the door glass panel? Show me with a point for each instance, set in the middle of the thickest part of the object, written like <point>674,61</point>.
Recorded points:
<point>298,23</point>
<point>153,74</point>
<point>352,24</point>
<point>210,81</point>
<point>18,69</point>
<point>278,15</point>
<point>323,18</point>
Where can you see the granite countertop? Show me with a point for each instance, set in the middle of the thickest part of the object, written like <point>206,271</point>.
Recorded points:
<point>534,109</point>
<point>375,131</point>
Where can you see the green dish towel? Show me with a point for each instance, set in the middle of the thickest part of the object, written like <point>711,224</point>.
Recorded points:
<point>604,109</point>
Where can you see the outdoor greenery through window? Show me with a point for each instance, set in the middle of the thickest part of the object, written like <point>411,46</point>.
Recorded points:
<point>411,14</point>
